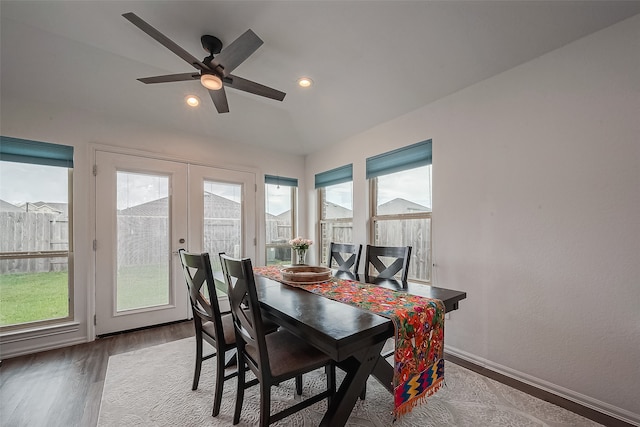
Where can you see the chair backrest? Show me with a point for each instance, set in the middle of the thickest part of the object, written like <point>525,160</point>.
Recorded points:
<point>196,268</point>
<point>336,251</point>
<point>378,257</point>
<point>245,308</point>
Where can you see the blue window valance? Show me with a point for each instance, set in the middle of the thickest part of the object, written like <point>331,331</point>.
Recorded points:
<point>335,176</point>
<point>35,152</point>
<point>280,180</point>
<point>409,157</point>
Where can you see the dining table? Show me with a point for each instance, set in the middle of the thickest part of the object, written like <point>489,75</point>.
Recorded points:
<point>353,337</point>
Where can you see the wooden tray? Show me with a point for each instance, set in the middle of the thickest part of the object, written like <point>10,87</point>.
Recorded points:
<point>304,274</point>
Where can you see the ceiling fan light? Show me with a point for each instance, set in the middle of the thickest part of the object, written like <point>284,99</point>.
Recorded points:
<point>211,81</point>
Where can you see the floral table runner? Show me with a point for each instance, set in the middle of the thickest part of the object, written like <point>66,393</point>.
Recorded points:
<point>419,332</point>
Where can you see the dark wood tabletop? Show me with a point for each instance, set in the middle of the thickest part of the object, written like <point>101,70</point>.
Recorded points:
<point>351,336</point>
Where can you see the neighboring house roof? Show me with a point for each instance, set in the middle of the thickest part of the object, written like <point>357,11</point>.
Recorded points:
<point>158,207</point>
<point>50,207</point>
<point>55,208</point>
<point>9,207</point>
<point>337,211</point>
<point>284,216</point>
<point>400,206</point>
<point>214,207</point>
<point>220,207</point>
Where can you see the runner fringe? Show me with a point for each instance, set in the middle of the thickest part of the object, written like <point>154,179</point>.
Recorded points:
<point>407,406</point>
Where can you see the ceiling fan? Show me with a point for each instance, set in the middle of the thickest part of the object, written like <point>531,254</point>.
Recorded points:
<point>213,72</point>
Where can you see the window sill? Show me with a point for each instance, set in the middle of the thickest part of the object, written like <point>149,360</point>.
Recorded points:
<point>38,332</point>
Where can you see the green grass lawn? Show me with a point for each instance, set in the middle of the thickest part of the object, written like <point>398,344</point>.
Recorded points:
<point>29,297</point>
<point>143,286</point>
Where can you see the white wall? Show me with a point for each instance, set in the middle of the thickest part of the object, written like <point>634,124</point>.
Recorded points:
<point>82,129</point>
<point>536,183</point>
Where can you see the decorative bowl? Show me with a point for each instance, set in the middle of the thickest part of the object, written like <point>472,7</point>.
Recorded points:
<point>306,274</point>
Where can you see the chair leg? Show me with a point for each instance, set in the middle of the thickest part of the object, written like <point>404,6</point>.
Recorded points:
<point>196,374</point>
<point>239,391</point>
<point>217,397</point>
<point>299,385</point>
<point>265,404</point>
<point>363,393</point>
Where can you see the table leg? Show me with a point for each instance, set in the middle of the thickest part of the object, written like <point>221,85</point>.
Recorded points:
<point>383,372</point>
<point>358,368</point>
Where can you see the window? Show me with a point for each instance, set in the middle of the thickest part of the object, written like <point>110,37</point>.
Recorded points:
<point>36,283</point>
<point>400,185</point>
<point>335,201</point>
<point>280,202</point>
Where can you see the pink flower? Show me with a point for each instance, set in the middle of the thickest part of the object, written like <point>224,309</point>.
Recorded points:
<point>300,243</point>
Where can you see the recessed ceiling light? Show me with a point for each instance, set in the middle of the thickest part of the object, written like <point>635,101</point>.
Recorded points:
<point>192,100</point>
<point>305,82</point>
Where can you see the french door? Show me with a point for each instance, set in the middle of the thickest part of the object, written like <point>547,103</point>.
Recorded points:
<point>147,209</point>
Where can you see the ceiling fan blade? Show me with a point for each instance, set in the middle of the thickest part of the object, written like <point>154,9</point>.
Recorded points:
<point>219,98</point>
<point>164,40</point>
<point>170,78</point>
<point>235,54</point>
<point>253,87</point>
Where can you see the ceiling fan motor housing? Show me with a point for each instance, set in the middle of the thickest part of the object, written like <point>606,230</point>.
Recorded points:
<point>211,44</point>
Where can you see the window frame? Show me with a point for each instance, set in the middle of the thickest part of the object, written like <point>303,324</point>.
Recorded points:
<point>399,160</point>
<point>51,254</point>
<point>322,221</point>
<point>294,221</point>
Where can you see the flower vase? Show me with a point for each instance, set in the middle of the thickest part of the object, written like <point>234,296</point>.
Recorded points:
<point>301,256</point>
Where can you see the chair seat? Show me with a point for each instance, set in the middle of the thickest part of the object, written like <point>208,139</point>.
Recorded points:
<point>227,327</point>
<point>229,332</point>
<point>289,354</point>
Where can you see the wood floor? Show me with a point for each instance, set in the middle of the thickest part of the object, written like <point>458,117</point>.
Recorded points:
<point>64,387</point>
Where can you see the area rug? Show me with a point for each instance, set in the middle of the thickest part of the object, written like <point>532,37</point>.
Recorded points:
<point>152,387</point>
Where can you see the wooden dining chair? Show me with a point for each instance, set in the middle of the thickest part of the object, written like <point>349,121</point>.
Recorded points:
<point>211,325</point>
<point>339,251</point>
<point>273,358</point>
<point>387,262</point>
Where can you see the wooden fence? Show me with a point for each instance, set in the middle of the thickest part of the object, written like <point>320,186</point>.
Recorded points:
<point>414,233</point>
<point>143,240</point>
<point>33,232</point>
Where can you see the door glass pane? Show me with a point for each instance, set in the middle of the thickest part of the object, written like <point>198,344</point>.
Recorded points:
<point>143,241</point>
<point>222,220</point>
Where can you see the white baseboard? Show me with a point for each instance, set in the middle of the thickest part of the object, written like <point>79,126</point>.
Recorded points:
<point>22,351</point>
<point>589,402</point>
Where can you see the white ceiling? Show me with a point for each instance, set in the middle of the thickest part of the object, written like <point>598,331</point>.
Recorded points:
<point>371,61</point>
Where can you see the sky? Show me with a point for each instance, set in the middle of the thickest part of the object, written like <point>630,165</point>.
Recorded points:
<point>23,182</point>
<point>412,185</point>
<point>277,199</point>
